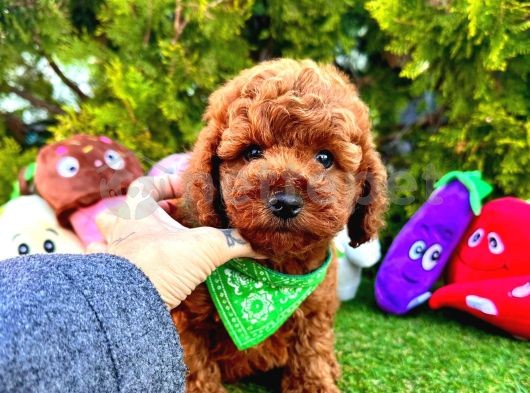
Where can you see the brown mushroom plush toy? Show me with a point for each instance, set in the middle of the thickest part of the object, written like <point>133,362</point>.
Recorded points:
<point>82,176</point>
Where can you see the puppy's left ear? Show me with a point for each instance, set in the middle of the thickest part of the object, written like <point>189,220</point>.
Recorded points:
<point>367,215</point>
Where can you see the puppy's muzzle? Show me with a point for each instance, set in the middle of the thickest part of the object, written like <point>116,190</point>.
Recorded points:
<point>285,205</point>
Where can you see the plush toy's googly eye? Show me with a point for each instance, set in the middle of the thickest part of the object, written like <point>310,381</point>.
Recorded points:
<point>114,160</point>
<point>23,249</point>
<point>49,246</point>
<point>495,243</point>
<point>475,238</point>
<point>68,166</point>
<point>431,257</point>
<point>417,250</point>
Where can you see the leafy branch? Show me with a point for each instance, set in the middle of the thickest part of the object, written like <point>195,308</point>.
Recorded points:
<point>67,81</point>
<point>180,22</point>
<point>36,101</point>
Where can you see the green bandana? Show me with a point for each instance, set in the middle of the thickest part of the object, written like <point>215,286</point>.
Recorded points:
<point>254,301</point>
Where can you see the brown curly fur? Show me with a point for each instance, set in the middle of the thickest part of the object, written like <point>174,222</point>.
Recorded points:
<point>292,110</point>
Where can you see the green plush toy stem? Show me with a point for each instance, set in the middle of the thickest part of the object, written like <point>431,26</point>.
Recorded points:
<point>472,180</point>
<point>16,191</point>
<point>29,173</point>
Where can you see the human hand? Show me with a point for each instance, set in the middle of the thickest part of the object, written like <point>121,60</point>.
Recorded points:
<point>176,259</point>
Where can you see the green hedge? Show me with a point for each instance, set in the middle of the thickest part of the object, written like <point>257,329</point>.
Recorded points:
<point>446,81</point>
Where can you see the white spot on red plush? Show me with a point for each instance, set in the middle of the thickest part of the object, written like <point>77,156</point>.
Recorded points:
<point>481,304</point>
<point>522,291</point>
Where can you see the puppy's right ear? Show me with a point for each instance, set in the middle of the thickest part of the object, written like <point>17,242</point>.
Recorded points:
<point>203,177</point>
<point>203,195</point>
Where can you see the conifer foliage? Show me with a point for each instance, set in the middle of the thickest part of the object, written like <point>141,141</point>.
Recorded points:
<point>475,56</point>
<point>446,80</point>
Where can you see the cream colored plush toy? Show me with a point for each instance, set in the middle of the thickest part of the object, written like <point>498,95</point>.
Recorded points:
<point>351,263</point>
<point>28,226</point>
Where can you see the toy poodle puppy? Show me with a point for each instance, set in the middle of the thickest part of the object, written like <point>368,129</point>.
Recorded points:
<point>287,158</point>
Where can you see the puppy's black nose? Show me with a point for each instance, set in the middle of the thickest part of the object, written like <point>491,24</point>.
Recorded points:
<point>285,205</point>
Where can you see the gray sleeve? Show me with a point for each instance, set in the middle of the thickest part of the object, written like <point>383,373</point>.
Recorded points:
<point>84,323</point>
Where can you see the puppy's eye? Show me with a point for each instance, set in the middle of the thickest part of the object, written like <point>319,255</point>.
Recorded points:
<point>325,158</point>
<point>252,152</point>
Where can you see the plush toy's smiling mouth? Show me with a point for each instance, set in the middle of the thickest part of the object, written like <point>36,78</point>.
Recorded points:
<point>482,268</point>
<point>409,279</point>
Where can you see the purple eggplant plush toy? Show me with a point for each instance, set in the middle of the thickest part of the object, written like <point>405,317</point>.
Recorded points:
<point>419,253</point>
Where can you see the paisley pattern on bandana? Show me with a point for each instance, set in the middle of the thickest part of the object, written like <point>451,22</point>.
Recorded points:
<point>254,301</point>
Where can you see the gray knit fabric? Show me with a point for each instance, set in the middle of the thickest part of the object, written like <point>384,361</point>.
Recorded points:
<point>84,323</point>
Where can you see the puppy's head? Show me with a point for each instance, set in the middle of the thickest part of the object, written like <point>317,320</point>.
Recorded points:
<point>287,158</point>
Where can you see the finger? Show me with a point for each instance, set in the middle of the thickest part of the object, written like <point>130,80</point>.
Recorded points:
<point>159,187</point>
<point>145,192</point>
<point>96,247</point>
<point>167,206</point>
<point>162,215</point>
<point>148,213</point>
<point>172,207</point>
<point>170,186</point>
<point>106,221</point>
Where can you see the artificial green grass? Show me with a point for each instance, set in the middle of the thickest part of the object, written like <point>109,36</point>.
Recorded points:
<point>428,351</point>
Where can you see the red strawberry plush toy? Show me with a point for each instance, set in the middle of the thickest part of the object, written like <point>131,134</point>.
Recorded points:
<point>489,273</point>
<point>504,302</point>
<point>496,245</point>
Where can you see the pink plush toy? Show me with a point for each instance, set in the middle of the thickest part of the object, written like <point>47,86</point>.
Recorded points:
<point>174,164</point>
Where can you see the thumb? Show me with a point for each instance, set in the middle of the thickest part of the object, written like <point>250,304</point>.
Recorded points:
<point>106,222</point>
